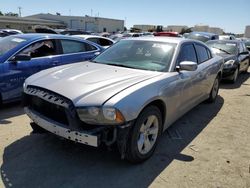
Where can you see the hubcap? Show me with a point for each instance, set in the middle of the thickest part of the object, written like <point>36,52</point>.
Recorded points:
<point>215,88</point>
<point>148,134</point>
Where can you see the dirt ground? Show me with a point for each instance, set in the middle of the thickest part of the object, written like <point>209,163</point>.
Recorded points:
<point>208,147</point>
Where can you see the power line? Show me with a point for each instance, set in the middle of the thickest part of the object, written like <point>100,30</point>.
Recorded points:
<point>20,11</point>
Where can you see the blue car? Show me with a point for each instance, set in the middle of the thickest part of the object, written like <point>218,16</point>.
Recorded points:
<point>25,54</point>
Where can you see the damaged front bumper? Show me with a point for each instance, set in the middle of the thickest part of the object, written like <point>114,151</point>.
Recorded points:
<point>88,138</point>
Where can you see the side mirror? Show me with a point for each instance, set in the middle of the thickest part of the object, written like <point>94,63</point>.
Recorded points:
<point>244,53</point>
<point>187,65</point>
<point>21,57</point>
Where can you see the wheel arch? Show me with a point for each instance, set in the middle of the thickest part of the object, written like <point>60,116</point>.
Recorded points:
<point>159,103</point>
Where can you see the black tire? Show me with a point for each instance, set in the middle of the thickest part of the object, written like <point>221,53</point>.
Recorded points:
<point>214,91</point>
<point>37,129</point>
<point>235,76</point>
<point>132,152</point>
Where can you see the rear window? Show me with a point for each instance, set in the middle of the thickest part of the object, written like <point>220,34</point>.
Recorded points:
<point>201,53</point>
<point>69,46</point>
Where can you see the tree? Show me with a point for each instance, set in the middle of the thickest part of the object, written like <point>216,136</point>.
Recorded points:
<point>186,30</point>
<point>1,14</point>
<point>11,14</point>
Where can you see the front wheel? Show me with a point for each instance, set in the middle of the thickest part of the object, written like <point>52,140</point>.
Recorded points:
<point>214,91</point>
<point>144,135</point>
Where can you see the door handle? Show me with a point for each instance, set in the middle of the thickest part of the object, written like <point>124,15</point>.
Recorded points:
<point>55,62</point>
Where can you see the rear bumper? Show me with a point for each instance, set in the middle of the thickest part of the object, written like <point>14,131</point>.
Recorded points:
<point>88,138</point>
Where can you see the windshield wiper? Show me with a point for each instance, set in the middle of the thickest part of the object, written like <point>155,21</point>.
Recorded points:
<point>119,65</point>
<point>222,50</point>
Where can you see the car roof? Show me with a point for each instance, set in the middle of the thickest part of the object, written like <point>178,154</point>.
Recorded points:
<point>175,40</point>
<point>202,33</point>
<point>91,36</point>
<point>35,36</point>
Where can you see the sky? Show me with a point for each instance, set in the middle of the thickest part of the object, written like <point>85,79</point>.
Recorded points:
<point>230,15</point>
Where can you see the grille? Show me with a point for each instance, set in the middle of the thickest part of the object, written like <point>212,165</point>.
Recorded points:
<point>47,103</point>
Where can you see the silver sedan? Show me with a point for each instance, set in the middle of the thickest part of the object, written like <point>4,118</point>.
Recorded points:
<point>128,95</point>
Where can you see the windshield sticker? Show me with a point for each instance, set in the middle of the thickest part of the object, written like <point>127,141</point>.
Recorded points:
<point>147,54</point>
<point>17,40</point>
<point>139,51</point>
<point>230,44</point>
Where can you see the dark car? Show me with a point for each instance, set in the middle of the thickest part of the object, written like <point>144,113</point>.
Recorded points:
<point>203,36</point>
<point>45,29</point>
<point>25,54</point>
<point>247,43</point>
<point>235,54</point>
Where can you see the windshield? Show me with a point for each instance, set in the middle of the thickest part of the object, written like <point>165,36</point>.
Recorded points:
<point>8,43</point>
<point>145,55</point>
<point>247,43</point>
<point>223,47</point>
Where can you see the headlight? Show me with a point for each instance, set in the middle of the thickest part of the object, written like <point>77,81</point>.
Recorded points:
<point>24,86</point>
<point>229,64</point>
<point>100,115</point>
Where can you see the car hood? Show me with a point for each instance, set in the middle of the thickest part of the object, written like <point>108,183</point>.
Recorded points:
<point>89,83</point>
<point>227,57</point>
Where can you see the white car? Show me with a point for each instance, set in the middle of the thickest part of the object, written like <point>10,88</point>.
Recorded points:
<point>227,37</point>
<point>102,41</point>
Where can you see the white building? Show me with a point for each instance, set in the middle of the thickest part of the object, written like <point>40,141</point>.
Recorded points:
<point>87,23</point>
<point>247,31</point>
<point>207,28</point>
<point>175,28</point>
<point>145,28</point>
<point>26,24</point>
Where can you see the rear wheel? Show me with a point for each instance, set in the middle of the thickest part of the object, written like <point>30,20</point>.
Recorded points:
<point>144,135</point>
<point>37,129</point>
<point>214,91</point>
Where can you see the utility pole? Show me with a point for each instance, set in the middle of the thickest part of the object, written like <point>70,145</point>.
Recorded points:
<point>20,11</point>
<point>91,12</point>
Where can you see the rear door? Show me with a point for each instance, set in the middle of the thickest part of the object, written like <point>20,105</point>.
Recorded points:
<point>76,51</point>
<point>205,78</point>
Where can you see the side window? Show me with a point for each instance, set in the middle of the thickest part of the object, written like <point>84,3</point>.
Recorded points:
<point>187,53</point>
<point>201,53</point>
<point>95,40</point>
<point>70,46</point>
<point>105,42</point>
<point>244,47</point>
<point>241,49</point>
<point>209,53</point>
<point>41,49</point>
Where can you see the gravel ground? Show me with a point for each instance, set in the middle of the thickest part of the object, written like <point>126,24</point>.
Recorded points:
<point>208,147</point>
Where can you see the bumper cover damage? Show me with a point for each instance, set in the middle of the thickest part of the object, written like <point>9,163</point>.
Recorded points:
<point>59,129</point>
